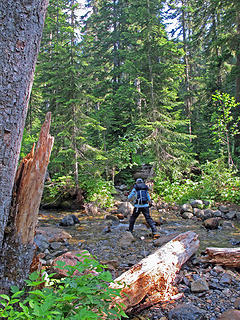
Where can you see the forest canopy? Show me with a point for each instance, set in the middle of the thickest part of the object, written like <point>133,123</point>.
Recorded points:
<point>140,82</point>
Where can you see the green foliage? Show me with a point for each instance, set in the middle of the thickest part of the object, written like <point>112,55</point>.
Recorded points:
<point>217,183</point>
<point>98,190</point>
<point>84,294</point>
<point>58,189</point>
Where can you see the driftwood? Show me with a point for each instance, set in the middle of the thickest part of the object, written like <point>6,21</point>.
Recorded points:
<point>18,245</point>
<point>229,257</point>
<point>152,279</point>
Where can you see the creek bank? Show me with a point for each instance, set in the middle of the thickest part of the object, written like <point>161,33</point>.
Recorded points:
<point>210,288</point>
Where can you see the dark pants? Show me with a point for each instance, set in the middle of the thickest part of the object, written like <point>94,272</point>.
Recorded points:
<point>145,212</point>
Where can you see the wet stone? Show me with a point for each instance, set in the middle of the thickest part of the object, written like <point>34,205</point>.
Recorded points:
<point>199,285</point>
<point>187,312</point>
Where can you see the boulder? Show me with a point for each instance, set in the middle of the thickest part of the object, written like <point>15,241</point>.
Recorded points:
<point>187,215</point>
<point>71,258</point>
<point>53,234</point>
<point>126,239</point>
<point>91,209</point>
<point>217,213</point>
<point>211,223</point>
<point>230,315</point>
<point>199,285</point>
<point>197,203</point>
<point>186,207</point>
<point>126,208</point>
<point>187,311</point>
<point>208,213</point>
<point>69,220</point>
<point>41,242</point>
<point>198,213</point>
<point>230,215</point>
<point>224,209</point>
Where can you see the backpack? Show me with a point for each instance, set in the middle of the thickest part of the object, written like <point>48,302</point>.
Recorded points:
<point>142,190</point>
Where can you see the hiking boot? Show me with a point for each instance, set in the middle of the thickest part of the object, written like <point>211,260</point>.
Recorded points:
<point>156,235</point>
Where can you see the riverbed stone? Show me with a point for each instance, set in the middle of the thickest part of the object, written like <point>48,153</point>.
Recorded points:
<point>186,207</point>
<point>53,234</point>
<point>225,279</point>
<point>237,303</point>
<point>238,216</point>
<point>187,215</point>
<point>126,239</point>
<point>199,213</point>
<point>211,223</point>
<point>230,315</point>
<point>196,203</point>
<point>217,213</point>
<point>230,215</point>
<point>126,208</point>
<point>228,224</point>
<point>187,311</point>
<point>224,209</point>
<point>208,213</point>
<point>41,242</point>
<point>199,285</point>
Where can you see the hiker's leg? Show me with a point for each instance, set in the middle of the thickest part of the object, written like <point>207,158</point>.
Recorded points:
<point>149,219</point>
<point>133,218</point>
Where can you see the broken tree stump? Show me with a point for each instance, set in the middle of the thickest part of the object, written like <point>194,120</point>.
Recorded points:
<point>152,279</point>
<point>18,245</point>
<point>229,257</point>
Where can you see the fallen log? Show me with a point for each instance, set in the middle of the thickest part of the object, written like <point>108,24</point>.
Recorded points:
<point>229,257</point>
<point>18,245</point>
<point>152,279</point>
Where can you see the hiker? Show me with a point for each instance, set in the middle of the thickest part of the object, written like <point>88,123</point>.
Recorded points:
<point>141,205</point>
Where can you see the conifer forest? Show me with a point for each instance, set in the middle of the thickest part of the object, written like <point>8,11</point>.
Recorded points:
<point>97,98</point>
<point>141,82</point>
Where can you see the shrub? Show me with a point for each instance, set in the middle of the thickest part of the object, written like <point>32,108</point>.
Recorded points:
<point>84,294</point>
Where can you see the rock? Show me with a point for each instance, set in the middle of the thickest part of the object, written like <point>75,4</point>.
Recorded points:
<point>230,315</point>
<point>227,225</point>
<point>112,218</point>
<point>211,223</point>
<point>237,303</point>
<point>91,209</point>
<point>225,279</point>
<point>71,258</point>
<point>230,215</point>
<point>53,234</point>
<point>186,207</point>
<point>196,203</point>
<point>208,213</point>
<point>126,239</point>
<point>126,208</point>
<point>69,220</point>
<point>199,285</point>
<point>187,215</point>
<point>198,213</point>
<point>206,203</point>
<point>55,245</point>
<point>187,312</point>
<point>217,213</point>
<point>238,216</point>
<point>41,242</point>
<point>224,209</point>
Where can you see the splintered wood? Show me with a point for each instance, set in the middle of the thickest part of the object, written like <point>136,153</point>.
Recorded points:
<point>152,279</point>
<point>29,183</point>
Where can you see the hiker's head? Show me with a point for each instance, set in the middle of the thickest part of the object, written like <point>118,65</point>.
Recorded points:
<point>139,180</point>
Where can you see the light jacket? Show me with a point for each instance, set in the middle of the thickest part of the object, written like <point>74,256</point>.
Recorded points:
<point>134,194</point>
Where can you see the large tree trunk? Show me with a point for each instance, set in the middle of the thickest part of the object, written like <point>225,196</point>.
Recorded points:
<point>229,257</point>
<point>152,279</point>
<point>21,24</point>
<point>17,246</point>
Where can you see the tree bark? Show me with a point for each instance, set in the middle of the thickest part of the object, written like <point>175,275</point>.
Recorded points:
<point>229,257</point>
<point>21,24</point>
<point>18,242</point>
<point>152,279</point>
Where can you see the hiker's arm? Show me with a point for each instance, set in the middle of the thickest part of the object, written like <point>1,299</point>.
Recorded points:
<point>149,199</point>
<point>132,194</point>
